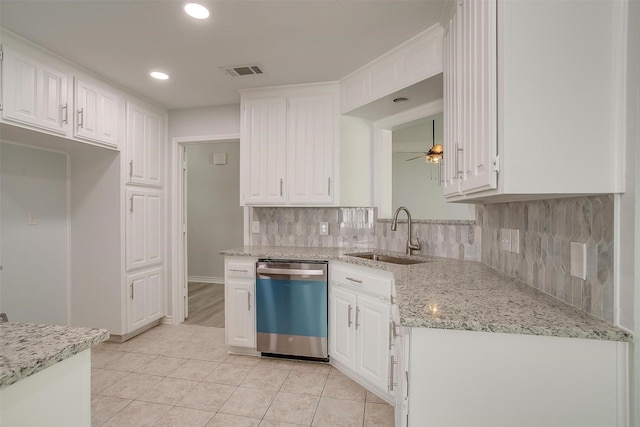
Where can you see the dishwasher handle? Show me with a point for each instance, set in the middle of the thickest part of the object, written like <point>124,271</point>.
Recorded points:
<point>290,271</point>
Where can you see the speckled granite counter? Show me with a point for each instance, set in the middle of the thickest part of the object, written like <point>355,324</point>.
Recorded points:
<point>26,348</point>
<point>451,294</point>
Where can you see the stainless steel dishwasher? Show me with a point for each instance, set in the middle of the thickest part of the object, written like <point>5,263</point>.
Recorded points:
<point>291,308</point>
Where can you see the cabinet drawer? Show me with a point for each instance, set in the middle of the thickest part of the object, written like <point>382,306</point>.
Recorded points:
<point>362,278</point>
<point>241,269</point>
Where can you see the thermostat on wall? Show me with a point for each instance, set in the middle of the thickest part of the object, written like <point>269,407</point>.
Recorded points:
<point>219,158</point>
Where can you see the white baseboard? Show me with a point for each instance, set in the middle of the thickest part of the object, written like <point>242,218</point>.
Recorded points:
<point>205,279</point>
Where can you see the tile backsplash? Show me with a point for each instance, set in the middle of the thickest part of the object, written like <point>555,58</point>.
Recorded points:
<point>358,228</point>
<point>547,228</point>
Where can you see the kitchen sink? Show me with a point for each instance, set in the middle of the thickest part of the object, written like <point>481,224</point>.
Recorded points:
<point>386,258</point>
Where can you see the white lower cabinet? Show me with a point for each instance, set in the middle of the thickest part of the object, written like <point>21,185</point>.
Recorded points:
<point>240,302</point>
<point>468,378</point>
<point>359,315</point>
<point>144,299</point>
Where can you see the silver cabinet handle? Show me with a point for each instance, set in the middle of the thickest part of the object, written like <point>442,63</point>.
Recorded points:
<point>390,334</point>
<point>81,118</point>
<point>131,290</point>
<point>131,204</point>
<point>249,301</point>
<point>392,382</point>
<point>357,313</point>
<point>280,187</point>
<point>354,280</point>
<point>457,172</point>
<point>329,186</point>
<point>131,168</point>
<point>65,108</point>
<point>349,322</point>
<point>238,271</point>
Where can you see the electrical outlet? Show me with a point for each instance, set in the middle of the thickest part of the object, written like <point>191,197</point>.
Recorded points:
<point>505,239</point>
<point>579,260</point>
<point>255,227</point>
<point>323,230</point>
<point>32,218</point>
<point>515,241</point>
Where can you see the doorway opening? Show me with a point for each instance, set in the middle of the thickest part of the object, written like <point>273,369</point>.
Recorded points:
<point>211,219</point>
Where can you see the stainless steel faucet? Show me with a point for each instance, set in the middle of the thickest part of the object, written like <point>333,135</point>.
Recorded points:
<point>394,226</point>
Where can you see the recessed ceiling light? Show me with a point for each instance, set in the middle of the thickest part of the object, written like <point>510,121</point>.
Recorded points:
<point>196,10</point>
<point>159,75</point>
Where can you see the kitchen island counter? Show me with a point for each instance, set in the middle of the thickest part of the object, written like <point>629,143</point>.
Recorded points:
<point>446,293</point>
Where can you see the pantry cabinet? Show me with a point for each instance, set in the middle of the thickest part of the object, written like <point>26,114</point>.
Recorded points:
<point>34,93</point>
<point>359,319</point>
<point>240,302</point>
<point>144,146</point>
<point>143,228</point>
<point>145,298</point>
<point>289,139</point>
<point>96,113</point>
<point>529,112</point>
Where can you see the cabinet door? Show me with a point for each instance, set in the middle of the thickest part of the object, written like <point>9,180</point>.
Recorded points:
<point>263,150</point>
<point>144,154</point>
<point>96,115</point>
<point>479,140</point>
<point>144,299</point>
<point>240,313</point>
<point>451,57</point>
<point>143,228</point>
<point>372,332</point>
<point>34,94</point>
<point>342,331</point>
<point>311,137</point>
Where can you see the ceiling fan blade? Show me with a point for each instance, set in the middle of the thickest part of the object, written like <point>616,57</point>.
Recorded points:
<point>417,157</point>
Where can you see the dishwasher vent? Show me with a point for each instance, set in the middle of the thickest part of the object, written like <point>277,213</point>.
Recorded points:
<point>243,70</point>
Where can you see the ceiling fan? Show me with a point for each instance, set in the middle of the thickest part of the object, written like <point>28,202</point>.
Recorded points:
<point>435,154</point>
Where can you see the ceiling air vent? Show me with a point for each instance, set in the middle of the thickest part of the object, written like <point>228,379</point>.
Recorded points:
<point>243,70</point>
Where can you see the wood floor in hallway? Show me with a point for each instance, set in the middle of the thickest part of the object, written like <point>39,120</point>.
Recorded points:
<point>206,304</point>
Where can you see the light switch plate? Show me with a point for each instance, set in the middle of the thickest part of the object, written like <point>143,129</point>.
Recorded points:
<point>505,239</point>
<point>579,260</point>
<point>255,227</point>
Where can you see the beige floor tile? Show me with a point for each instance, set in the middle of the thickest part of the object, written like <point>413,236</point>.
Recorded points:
<point>105,407</point>
<point>211,353</point>
<point>372,398</point>
<point>335,371</point>
<point>160,365</point>
<point>292,408</point>
<point>343,387</point>
<point>274,362</point>
<point>301,382</point>
<point>207,396</point>
<point>321,368</point>
<point>229,374</point>
<point>238,359</point>
<point>185,417</point>
<point>131,386</point>
<point>269,423</point>
<point>100,359</point>
<point>195,370</point>
<point>378,415</point>
<point>338,412</point>
<point>103,378</point>
<point>128,345</point>
<point>169,333</point>
<point>138,414</point>
<point>184,351</point>
<point>130,362</point>
<point>168,391</point>
<point>149,346</point>
<point>238,404</point>
<point>227,420</point>
<point>265,378</point>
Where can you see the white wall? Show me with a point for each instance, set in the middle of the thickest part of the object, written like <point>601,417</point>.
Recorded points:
<point>214,214</point>
<point>220,120</point>
<point>34,257</point>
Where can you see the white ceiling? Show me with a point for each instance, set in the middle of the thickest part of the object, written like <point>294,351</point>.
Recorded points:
<point>295,41</point>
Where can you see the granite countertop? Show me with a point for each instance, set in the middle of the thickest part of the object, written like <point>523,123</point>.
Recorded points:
<point>466,295</point>
<point>27,348</point>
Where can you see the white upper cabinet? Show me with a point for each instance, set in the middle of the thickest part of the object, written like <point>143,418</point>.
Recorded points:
<point>96,113</point>
<point>34,93</point>
<point>144,146</point>
<point>529,109</point>
<point>289,138</point>
<point>263,136</point>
